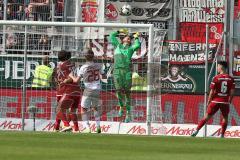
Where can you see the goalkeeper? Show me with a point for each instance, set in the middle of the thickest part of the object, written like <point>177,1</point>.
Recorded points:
<point>122,74</point>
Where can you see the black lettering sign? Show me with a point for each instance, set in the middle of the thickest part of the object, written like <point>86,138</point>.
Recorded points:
<point>164,12</point>
<point>150,11</point>
<point>157,24</point>
<point>138,11</point>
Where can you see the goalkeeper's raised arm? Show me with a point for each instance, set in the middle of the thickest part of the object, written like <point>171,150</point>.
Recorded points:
<point>136,45</point>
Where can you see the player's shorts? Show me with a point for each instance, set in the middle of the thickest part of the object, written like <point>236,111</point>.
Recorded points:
<point>90,98</point>
<point>68,101</point>
<point>214,107</point>
<point>68,96</point>
<point>122,79</point>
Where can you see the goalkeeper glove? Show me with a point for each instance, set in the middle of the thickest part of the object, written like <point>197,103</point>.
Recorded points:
<point>123,30</point>
<point>136,35</point>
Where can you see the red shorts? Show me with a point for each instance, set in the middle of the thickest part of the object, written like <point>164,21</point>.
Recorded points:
<point>68,101</point>
<point>214,107</point>
<point>68,89</point>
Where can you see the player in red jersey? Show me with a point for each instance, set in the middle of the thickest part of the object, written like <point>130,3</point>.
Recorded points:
<point>68,93</point>
<point>220,96</point>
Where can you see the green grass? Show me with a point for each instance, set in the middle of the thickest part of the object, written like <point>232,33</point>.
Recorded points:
<point>67,146</point>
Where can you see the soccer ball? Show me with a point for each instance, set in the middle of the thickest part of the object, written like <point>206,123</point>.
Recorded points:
<point>126,10</point>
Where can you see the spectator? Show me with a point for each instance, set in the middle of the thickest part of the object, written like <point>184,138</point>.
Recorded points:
<point>20,13</point>
<point>33,40</point>
<point>11,38</point>
<point>43,42</point>
<point>31,16</point>
<point>42,8</point>
<point>13,8</point>
<point>10,13</point>
<point>43,75</point>
<point>59,7</point>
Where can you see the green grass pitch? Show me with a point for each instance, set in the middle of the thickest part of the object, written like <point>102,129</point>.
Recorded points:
<point>67,146</point>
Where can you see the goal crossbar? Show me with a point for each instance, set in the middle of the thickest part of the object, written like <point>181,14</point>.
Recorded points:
<point>75,24</point>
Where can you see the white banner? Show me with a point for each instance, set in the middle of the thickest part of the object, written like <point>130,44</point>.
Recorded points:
<point>125,128</point>
<point>201,10</point>
<point>144,10</point>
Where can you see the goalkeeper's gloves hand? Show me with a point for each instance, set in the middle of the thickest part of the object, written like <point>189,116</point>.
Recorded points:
<point>136,35</point>
<point>123,30</point>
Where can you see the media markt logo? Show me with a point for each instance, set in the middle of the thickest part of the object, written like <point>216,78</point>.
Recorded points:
<point>175,80</point>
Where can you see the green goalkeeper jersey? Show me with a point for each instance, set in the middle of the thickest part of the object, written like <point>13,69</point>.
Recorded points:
<point>123,53</point>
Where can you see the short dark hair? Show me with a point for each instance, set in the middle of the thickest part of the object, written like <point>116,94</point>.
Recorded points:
<point>88,53</point>
<point>224,64</point>
<point>64,55</point>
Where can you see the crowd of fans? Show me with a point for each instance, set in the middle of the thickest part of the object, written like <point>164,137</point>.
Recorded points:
<point>30,10</point>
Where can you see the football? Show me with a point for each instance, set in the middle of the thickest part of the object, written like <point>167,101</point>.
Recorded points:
<point>126,10</point>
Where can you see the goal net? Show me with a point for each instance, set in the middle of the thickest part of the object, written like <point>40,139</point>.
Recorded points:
<point>23,44</point>
<point>168,82</point>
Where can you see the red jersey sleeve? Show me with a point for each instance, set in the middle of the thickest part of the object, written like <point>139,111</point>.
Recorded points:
<point>213,83</point>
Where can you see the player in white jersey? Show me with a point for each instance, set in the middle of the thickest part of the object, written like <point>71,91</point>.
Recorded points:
<point>91,73</point>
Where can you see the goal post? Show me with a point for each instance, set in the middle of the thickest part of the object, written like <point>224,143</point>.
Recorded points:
<point>147,30</point>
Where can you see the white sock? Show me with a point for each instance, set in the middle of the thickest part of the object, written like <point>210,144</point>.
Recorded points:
<point>86,119</point>
<point>97,118</point>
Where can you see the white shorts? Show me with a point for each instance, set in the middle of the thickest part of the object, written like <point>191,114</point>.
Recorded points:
<point>90,98</point>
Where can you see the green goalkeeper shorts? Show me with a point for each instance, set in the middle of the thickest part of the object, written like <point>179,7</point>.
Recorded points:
<point>122,79</point>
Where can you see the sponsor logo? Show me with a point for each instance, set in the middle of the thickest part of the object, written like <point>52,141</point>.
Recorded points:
<point>188,111</point>
<point>138,129</point>
<point>93,128</point>
<point>10,125</point>
<point>230,134</point>
<point>161,130</point>
<point>178,131</point>
<point>111,12</point>
<point>175,79</point>
<point>49,127</point>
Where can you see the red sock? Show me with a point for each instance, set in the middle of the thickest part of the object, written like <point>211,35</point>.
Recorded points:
<point>75,121</point>
<point>63,117</point>
<point>201,124</point>
<point>57,123</point>
<point>68,117</point>
<point>224,127</point>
